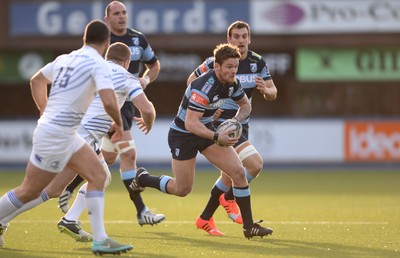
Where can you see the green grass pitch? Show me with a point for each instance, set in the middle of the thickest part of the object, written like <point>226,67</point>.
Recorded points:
<point>314,213</point>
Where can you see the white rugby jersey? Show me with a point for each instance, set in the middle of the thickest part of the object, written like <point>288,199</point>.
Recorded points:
<point>126,86</point>
<point>76,77</point>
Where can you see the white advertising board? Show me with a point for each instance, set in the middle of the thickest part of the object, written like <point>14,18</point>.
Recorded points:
<point>16,140</point>
<point>276,140</point>
<point>298,140</point>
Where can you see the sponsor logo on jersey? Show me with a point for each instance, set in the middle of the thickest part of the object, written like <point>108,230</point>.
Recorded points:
<point>206,88</point>
<point>215,98</point>
<point>217,104</point>
<point>203,68</point>
<point>230,91</point>
<point>197,98</point>
<point>135,41</point>
<point>246,78</point>
<point>253,67</point>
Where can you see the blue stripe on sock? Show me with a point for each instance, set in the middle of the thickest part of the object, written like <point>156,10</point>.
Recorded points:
<point>94,193</point>
<point>163,183</point>
<point>221,186</point>
<point>241,192</point>
<point>14,199</point>
<point>44,196</point>
<point>129,174</point>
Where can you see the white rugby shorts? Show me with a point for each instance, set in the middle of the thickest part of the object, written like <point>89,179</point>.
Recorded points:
<point>52,149</point>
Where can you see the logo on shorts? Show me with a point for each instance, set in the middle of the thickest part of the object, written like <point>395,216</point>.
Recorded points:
<point>177,152</point>
<point>55,164</point>
<point>38,158</point>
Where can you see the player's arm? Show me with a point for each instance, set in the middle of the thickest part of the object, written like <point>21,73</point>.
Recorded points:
<point>110,104</point>
<point>147,112</point>
<point>151,73</point>
<point>193,125</point>
<point>267,88</point>
<point>38,85</point>
<point>191,78</point>
<point>244,108</point>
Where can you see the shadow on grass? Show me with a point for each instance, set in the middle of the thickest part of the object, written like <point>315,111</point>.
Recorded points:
<point>274,247</point>
<point>17,253</point>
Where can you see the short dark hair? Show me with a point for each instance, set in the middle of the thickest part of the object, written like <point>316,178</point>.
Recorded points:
<point>224,51</point>
<point>118,51</point>
<point>238,25</point>
<point>96,32</point>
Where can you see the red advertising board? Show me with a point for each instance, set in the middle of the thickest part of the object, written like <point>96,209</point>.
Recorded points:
<point>372,141</point>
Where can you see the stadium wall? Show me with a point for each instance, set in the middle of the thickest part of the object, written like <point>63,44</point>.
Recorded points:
<point>280,141</point>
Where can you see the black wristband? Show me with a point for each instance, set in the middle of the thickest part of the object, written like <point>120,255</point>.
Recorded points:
<point>215,138</point>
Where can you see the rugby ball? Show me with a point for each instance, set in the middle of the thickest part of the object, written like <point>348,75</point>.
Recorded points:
<point>230,124</point>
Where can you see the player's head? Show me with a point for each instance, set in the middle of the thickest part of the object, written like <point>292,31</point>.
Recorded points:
<point>119,53</point>
<point>238,34</point>
<point>226,62</point>
<point>96,33</point>
<point>115,17</point>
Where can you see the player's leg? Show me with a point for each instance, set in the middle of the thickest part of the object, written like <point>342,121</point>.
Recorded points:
<point>69,224</point>
<point>205,221</point>
<point>183,167</point>
<point>50,153</point>
<point>180,185</point>
<point>70,227</point>
<point>13,202</point>
<point>67,194</point>
<point>218,156</point>
<point>126,148</point>
<point>253,164</point>
<point>127,151</point>
<point>86,162</point>
<point>52,190</point>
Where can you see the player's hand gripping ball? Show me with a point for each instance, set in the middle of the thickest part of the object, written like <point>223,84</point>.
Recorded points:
<point>228,125</point>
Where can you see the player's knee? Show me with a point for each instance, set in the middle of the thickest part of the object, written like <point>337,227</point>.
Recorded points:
<point>255,168</point>
<point>251,159</point>
<point>238,175</point>
<point>110,159</point>
<point>97,179</point>
<point>128,155</point>
<point>182,192</point>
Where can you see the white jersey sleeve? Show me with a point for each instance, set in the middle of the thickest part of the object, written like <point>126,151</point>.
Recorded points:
<point>133,87</point>
<point>102,76</point>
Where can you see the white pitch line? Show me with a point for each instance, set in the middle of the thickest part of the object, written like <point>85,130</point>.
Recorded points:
<point>229,222</point>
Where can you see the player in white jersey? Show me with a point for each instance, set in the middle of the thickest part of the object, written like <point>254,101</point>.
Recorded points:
<point>75,79</point>
<point>96,124</point>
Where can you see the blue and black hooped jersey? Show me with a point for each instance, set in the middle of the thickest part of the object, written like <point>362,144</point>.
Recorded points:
<point>206,94</point>
<point>141,50</point>
<point>253,65</point>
